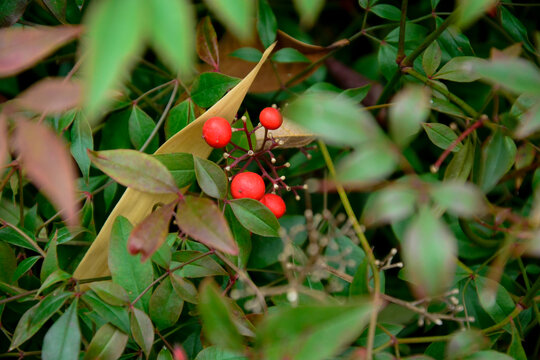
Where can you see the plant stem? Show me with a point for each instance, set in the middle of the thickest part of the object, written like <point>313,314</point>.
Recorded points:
<point>409,59</point>
<point>468,109</point>
<point>167,273</point>
<point>402,24</point>
<point>162,118</point>
<point>25,236</point>
<point>363,241</point>
<point>244,276</point>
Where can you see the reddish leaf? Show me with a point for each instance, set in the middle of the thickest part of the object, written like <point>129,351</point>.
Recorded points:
<point>135,169</point>
<point>202,220</point>
<point>20,48</point>
<point>151,233</point>
<point>3,139</point>
<point>207,47</point>
<point>48,164</point>
<point>51,95</point>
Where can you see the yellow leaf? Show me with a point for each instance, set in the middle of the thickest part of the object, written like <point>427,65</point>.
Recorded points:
<point>135,205</point>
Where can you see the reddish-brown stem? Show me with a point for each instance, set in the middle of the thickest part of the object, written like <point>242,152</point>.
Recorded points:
<point>460,138</point>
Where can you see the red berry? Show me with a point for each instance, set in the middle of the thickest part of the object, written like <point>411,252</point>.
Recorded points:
<point>247,185</point>
<point>275,204</point>
<point>217,132</point>
<point>270,118</point>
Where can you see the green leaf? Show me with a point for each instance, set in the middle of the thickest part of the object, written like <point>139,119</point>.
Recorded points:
<point>110,292</point>
<point>460,199</point>
<point>140,127</point>
<point>11,11</point>
<point>134,169</point>
<point>255,217</point>
<point>337,119</point>
<point>356,94</point>
<point>148,236</point>
<point>466,342</point>
<point>181,167</point>
<point>499,155</point>
<point>236,15</point>
<point>470,11</point>
<point>530,122</point>
<point>81,140</point>
<point>66,11</point>
<point>313,332</point>
<point>370,162</point>
<point>107,344</point>
<point>50,263</point>
<point>179,117</point>
<point>515,74</point>
<point>35,317</point>
<point>115,28</point>
<point>494,298</point>
<point>432,58</point>
<point>116,315</point>
<point>13,237</point>
<point>360,282</point>
<point>209,87</point>
<point>242,236</point>
<point>210,178</point>
<point>266,23</point>
<point>515,28</point>
<point>461,164</point>
<point>410,109</point>
<point>204,267</point>
<point>23,267</point>
<point>442,136</point>
<point>63,340</point>
<point>515,350</point>
<point>386,11</point>
<point>203,221</point>
<point>9,264</point>
<point>390,204</point>
<point>165,305</point>
<point>165,354</point>
<point>207,45</point>
<point>460,69</point>
<point>309,11</point>
<point>247,53</point>
<point>172,32</point>
<point>142,330</point>
<point>54,278</point>
<point>184,289</point>
<point>428,253</point>
<point>217,319</point>
<point>289,55</point>
<point>446,107</point>
<point>127,270</point>
<point>218,353</point>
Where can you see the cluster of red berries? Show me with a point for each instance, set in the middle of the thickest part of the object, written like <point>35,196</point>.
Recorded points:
<point>217,133</point>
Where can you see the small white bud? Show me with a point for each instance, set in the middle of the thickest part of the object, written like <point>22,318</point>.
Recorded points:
<point>244,118</point>
<point>226,155</point>
<point>459,308</point>
<point>287,164</point>
<point>399,264</point>
<point>282,177</point>
<point>281,142</point>
<point>434,169</point>
<point>438,322</point>
<point>305,186</point>
<point>273,160</point>
<point>297,197</point>
<point>393,251</point>
<point>250,152</point>
<point>292,296</point>
<point>276,186</point>
<point>274,106</point>
<point>377,262</point>
<point>227,168</point>
<point>308,156</point>
<point>454,300</point>
<point>288,188</point>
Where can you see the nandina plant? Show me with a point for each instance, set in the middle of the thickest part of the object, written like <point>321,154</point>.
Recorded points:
<point>269,180</point>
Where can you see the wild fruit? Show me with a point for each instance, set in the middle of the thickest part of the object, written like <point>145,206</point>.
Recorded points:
<point>270,118</point>
<point>217,132</point>
<point>275,204</point>
<point>247,185</point>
